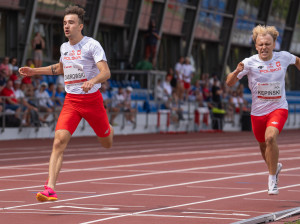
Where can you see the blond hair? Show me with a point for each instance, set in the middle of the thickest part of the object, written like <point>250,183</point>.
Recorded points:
<point>264,30</point>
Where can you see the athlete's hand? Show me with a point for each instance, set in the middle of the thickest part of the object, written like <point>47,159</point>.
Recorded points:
<point>26,71</point>
<point>86,86</point>
<point>239,67</point>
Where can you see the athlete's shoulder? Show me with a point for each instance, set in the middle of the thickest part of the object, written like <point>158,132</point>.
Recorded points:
<point>282,54</point>
<point>92,41</point>
<point>251,60</point>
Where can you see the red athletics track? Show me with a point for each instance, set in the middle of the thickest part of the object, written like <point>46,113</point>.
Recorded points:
<point>167,179</point>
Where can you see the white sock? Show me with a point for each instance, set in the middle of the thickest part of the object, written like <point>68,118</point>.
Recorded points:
<point>272,178</point>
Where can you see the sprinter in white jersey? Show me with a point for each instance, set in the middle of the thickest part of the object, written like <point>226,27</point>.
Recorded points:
<point>266,73</point>
<point>84,66</point>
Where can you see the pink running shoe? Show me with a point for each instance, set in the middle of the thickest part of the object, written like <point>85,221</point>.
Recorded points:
<point>47,195</point>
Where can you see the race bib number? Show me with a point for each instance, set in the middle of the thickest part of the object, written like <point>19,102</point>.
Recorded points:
<point>74,75</point>
<point>269,91</point>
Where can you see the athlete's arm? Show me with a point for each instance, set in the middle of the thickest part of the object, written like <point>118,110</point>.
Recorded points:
<point>100,78</point>
<point>232,77</point>
<point>297,64</point>
<point>54,69</point>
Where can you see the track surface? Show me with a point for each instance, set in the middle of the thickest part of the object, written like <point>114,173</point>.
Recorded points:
<point>150,179</point>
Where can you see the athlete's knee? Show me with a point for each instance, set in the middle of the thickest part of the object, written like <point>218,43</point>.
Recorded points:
<point>107,144</point>
<point>270,139</point>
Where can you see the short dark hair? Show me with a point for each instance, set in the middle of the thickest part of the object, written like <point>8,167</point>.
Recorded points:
<point>74,9</point>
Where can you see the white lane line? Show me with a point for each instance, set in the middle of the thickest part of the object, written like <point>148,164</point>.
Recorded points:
<point>190,217</point>
<point>152,173</point>
<point>129,184</point>
<point>226,188</point>
<point>232,149</point>
<point>86,208</point>
<point>226,210</point>
<point>13,201</point>
<point>142,174</point>
<point>167,195</point>
<point>79,192</point>
<point>218,213</point>
<point>125,206</point>
<point>272,199</point>
<point>156,142</point>
<point>155,188</point>
<point>147,164</point>
<point>184,205</point>
<point>140,164</point>
<point>139,190</point>
<point>156,149</point>
<point>168,154</point>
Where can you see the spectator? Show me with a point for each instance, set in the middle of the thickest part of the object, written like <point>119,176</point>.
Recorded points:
<point>118,101</point>
<point>106,96</point>
<point>187,77</point>
<point>11,102</point>
<point>236,101</point>
<point>196,94</point>
<point>45,104</point>
<point>173,80</point>
<point>179,77</point>
<point>159,92</point>
<point>51,91</point>
<point>151,41</point>
<point>13,68</point>
<point>27,108</point>
<point>206,92</point>
<point>167,91</point>
<point>129,111</point>
<point>38,44</point>
<point>59,96</point>
<point>216,92</point>
<point>13,65</point>
<point>2,81</point>
<point>4,68</point>
<point>27,80</point>
<point>174,106</point>
<point>144,65</point>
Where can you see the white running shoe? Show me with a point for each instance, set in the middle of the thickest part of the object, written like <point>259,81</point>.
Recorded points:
<point>273,189</point>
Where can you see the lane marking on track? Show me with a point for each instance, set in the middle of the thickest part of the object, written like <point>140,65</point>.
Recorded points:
<point>143,164</point>
<point>86,208</point>
<point>129,184</point>
<point>166,195</point>
<point>125,206</point>
<point>183,205</point>
<point>163,187</point>
<point>225,188</point>
<point>218,213</point>
<point>154,173</point>
<point>273,199</point>
<point>143,174</point>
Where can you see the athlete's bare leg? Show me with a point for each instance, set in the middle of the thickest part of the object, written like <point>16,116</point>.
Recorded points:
<point>106,142</point>
<point>269,149</point>
<point>61,140</point>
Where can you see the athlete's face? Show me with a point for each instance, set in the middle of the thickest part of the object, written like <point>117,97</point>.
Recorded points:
<point>72,26</point>
<point>265,46</point>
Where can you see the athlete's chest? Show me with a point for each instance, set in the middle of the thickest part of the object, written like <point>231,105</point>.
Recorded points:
<point>76,55</point>
<point>267,72</point>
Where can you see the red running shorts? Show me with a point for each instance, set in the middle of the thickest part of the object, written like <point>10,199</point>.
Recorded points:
<point>277,119</point>
<point>87,106</point>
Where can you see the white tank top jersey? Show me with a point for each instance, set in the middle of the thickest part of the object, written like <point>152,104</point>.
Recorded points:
<point>266,80</point>
<point>79,64</point>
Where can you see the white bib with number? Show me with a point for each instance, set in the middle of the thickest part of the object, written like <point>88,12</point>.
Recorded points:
<point>74,75</point>
<point>269,91</point>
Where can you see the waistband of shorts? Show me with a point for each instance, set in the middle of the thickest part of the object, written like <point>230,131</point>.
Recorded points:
<point>84,96</point>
